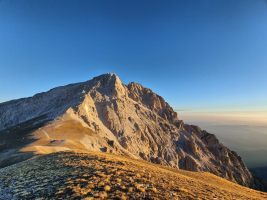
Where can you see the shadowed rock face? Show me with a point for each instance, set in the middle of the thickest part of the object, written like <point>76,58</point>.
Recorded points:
<point>104,114</point>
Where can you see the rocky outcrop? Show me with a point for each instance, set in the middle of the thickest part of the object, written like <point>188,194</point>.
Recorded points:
<point>152,101</point>
<point>104,114</point>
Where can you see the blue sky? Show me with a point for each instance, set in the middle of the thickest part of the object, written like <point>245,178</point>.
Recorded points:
<point>209,55</point>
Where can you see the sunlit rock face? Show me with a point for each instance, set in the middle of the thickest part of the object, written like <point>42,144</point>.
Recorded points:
<point>104,114</point>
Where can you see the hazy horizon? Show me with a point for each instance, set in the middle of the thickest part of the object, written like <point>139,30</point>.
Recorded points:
<point>243,132</point>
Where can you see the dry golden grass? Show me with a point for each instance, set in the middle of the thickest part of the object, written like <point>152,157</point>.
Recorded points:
<point>68,175</point>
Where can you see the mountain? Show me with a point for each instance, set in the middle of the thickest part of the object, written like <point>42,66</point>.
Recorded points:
<point>93,175</point>
<point>103,114</point>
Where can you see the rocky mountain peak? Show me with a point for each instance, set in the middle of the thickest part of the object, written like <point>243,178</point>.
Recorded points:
<point>107,78</point>
<point>153,101</point>
<point>104,114</point>
<point>109,84</point>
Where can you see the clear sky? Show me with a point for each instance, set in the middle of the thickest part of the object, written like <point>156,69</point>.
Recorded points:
<point>209,55</point>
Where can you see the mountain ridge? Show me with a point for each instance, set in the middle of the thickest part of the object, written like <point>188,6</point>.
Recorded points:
<point>103,114</point>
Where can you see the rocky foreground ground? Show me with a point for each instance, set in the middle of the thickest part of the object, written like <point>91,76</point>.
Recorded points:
<point>67,175</point>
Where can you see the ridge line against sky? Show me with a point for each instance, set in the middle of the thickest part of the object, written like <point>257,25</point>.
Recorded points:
<point>196,54</point>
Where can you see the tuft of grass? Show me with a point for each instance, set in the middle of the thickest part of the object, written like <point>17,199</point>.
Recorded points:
<point>107,188</point>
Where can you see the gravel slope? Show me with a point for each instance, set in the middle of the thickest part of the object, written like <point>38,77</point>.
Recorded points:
<point>68,175</point>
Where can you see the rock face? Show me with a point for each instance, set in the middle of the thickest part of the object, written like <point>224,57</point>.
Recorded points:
<point>104,114</point>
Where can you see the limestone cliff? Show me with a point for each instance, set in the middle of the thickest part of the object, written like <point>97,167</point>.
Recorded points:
<point>104,114</point>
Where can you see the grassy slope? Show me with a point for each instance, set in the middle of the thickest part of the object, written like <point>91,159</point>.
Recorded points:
<point>69,175</point>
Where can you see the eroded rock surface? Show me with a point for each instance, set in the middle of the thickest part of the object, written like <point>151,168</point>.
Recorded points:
<point>104,114</point>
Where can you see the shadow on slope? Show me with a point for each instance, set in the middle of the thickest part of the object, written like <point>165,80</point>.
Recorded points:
<point>260,174</point>
<point>17,137</point>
